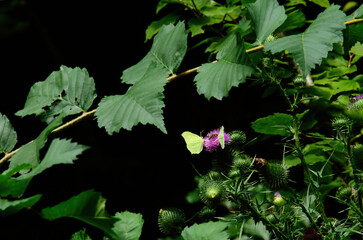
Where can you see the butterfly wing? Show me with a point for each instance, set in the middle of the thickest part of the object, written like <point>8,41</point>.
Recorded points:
<point>193,141</point>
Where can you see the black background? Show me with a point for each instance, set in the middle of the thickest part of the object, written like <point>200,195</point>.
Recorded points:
<point>141,170</point>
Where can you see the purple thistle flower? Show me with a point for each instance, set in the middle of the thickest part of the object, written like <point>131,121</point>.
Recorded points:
<point>211,141</point>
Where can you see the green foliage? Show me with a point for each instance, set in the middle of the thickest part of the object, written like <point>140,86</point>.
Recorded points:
<point>267,15</point>
<point>128,225</point>
<point>11,207</point>
<point>89,207</point>
<point>309,47</point>
<point>68,91</point>
<point>206,231</point>
<point>216,79</point>
<point>276,124</point>
<point>8,136</point>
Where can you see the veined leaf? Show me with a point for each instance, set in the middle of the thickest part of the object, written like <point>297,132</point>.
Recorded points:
<point>60,151</point>
<point>256,229</point>
<point>206,231</point>
<point>88,206</point>
<point>357,49</point>
<point>267,15</point>
<point>193,141</point>
<point>155,26</point>
<point>8,136</point>
<point>11,207</point>
<point>168,50</point>
<point>309,47</point>
<point>69,90</point>
<point>142,103</point>
<point>216,79</point>
<point>128,226</point>
<point>276,124</point>
<point>29,153</point>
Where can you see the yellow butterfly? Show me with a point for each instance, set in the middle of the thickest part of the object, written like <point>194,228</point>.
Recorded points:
<point>193,141</point>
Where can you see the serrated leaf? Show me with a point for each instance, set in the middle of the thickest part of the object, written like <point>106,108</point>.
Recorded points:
<point>206,231</point>
<point>69,90</point>
<point>88,206</point>
<point>142,103</point>
<point>196,24</point>
<point>276,124</point>
<point>256,229</point>
<point>194,142</point>
<point>8,207</point>
<point>8,136</point>
<point>216,79</point>
<point>155,26</point>
<point>167,51</point>
<point>357,49</point>
<point>358,12</point>
<point>60,151</point>
<point>309,47</point>
<point>128,225</point>
<point>267,15</point>
<point>29,153</point>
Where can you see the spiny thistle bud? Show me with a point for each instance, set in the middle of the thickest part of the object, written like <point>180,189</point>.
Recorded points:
<point>242,162</point>
<point>207,213</point>
<point>340,122</point>
<point>214,175</point>
<point>344,192</point>
<point>279,200</point>
<point>171,221</point>
<point>357,157</point>
<point>275,175</point>
<point>355,108</point>
<point>237,138</point>
<point>234,172</point>
<point>212,192</point>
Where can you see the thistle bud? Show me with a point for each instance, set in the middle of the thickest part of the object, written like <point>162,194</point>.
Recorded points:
<point>242,162</point>
<point>212,192</point>
<point>357,157</point>
<point>275,175</point>
<point>207,213</point>
<point>237,138</point>
<point>340,122</point>
<point>278,200</point>
<point>344,193</point>
<point>171,221</point>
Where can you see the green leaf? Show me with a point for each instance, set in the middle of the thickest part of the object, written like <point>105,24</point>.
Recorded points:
<point>357,49</point>
<point>322,3</point>
<point>206,231</point>
<point>11,207</point>
<point>276,124</point>
<point>267,15</point>
<point>142,103</point>
<point>60,151</point>
<point>128,226</point>
<point>256,229</point>
<point>167,51</point>
<point>8,136</point>
<point>155,26</point>
<point>194,142</point>
<point>216,79</point>
<point>29,153</point>
<point>12,187</point>
<point>196,24</point>
<point>88,206</point>
<point>358,12</point>
<point>309,47</point>
<point>295,19</point>
<point>69,90</point>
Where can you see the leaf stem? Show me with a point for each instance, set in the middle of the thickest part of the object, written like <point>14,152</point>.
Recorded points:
<point>58,129</point>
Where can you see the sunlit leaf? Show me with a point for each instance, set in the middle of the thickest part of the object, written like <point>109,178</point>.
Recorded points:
<point>167,51</point>
<point>267,15</point>
<point>128,225</point>
<point>60,151</point>
<point>194,142</point>
<point>155,26</point>
<point>88,206</point>
<point>69,91</point>
<point>206,231</point>
<point>309,47</point>
<point>216,79</point>
<point>322,3</point>
<point>8,207</point>
<point>80,235</point>
<point>8,136</point>
<point>142,103</point>
<point>276,124</point>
